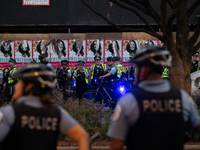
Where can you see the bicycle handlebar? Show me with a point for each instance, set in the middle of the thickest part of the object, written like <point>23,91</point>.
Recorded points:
<point>94,137</point>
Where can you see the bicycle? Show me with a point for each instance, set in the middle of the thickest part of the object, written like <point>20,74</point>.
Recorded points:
<point>96,95</point>
<point>68,91</point>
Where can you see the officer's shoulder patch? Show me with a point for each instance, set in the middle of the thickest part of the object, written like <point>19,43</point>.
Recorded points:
<point>1,116</point>
<point>117,113</point>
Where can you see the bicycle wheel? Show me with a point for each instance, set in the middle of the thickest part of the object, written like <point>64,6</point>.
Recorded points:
<point>93,96</point>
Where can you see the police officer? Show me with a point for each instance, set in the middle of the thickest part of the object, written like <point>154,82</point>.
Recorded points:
<point>43,60</point>
<point>154,115</point>
<point>81,79</point>
<point>110,75</point>
<point>33,122</point>
<point>165,74</point>
<point>121,71</point>
<point>195,62</point>
<point>11,79</point>
<point>64,75</point>
<point>131,73</point>
<point>96,71</point>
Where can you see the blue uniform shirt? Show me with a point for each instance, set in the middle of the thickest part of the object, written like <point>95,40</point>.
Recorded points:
<point>127,110</point>
<point>113,70</point>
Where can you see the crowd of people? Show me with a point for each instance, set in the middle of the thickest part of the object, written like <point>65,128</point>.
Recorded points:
<point>153,116</point>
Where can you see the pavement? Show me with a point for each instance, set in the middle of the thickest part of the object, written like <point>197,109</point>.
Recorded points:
<point>186,147</point>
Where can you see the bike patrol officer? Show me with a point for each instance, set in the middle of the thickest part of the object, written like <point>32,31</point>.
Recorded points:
<point>195,62</point>
<point>121,71</point>
<point>165,74</point>
<point>154,115</point>
<point>11,79</point>
<point>33,122</point>
<point>43,60</point>
<point>96,71</point>
<point>110,75</point>
<point>64,75</point>
<point>81,78</point>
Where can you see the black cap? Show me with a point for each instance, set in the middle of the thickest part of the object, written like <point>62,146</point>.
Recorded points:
<point>12,60</point>
<point>42,55</point>
<point>116,58</point>
<point>196,54</point>
<point>97,58</point>
<point>64,62</point>
<point>110,59</point>
<point>81,63</point>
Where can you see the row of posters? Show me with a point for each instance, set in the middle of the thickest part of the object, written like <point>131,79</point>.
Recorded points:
<point>72,50</point>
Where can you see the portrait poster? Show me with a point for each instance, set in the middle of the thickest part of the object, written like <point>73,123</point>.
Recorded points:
<point>6,50</point>
<point>129,48</point>
<point>23,51</point>
<point>112,48</point>
<point>59,51</point>
<point>77,49</point>
<point>94,48</point>
<point>39,47</point>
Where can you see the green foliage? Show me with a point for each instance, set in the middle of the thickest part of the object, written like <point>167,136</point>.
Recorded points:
<point>89,115</point>
<point>197,15</point>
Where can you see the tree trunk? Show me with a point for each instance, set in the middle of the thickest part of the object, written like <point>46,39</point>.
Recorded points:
<point>180,71</point>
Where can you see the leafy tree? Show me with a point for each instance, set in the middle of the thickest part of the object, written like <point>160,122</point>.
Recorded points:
<point>185,45</point>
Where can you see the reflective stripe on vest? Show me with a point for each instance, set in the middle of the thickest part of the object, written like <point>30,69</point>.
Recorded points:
<point>85,70</point>
<point>120,69</point>
<point>93,66</point>
<point>165,73</point>
<point>11,80</point>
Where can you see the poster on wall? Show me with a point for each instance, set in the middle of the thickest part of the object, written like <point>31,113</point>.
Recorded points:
<point>77,50</point>
<point>36,2</point>
<point>39,47</point>
<point>59,51</point>
<point>94,48</point>
<point>23,51</point>
<point>112,48</point>
<point>129,48</point>
<point>6,50</point>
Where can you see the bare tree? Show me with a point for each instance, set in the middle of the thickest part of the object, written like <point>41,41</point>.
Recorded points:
<point>184,47</point>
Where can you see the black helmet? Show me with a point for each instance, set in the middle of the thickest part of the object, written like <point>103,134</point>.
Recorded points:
<point>42,55</point>
<point>33,61</point>
<point>153,56</point>
<point>40,74</point>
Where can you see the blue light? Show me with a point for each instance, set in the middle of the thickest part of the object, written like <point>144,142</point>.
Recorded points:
<point>95,80</point>
<point>122,89</point>
<point>73,83</point>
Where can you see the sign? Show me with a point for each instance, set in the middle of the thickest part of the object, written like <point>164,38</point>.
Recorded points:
<point>36,2</point>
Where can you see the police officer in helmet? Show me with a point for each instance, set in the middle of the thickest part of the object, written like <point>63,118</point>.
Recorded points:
<point>81,78</point>
<point>43,60</point>
<point>121,71</point>
<point>33,122</point>
<point>154,115</point>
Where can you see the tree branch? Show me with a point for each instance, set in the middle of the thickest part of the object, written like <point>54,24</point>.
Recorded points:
<point>160,37</point>
<point>137,13</point>
<point>136,5</point>
<point>152,12</point>
<point>194,37</point>
<point>170,2</point>
<point>173,14</point>
<point>195,48</point>
<point>192,8</point>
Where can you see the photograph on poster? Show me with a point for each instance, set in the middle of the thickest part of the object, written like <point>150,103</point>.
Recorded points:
<point>94,48</point>
<point>112,48</point>
<point>39,47</point>
<point>23,51</point>
<point>6,50</point>
<point>76,49</point>
<point>59,53</point>
<point>129,48</point>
